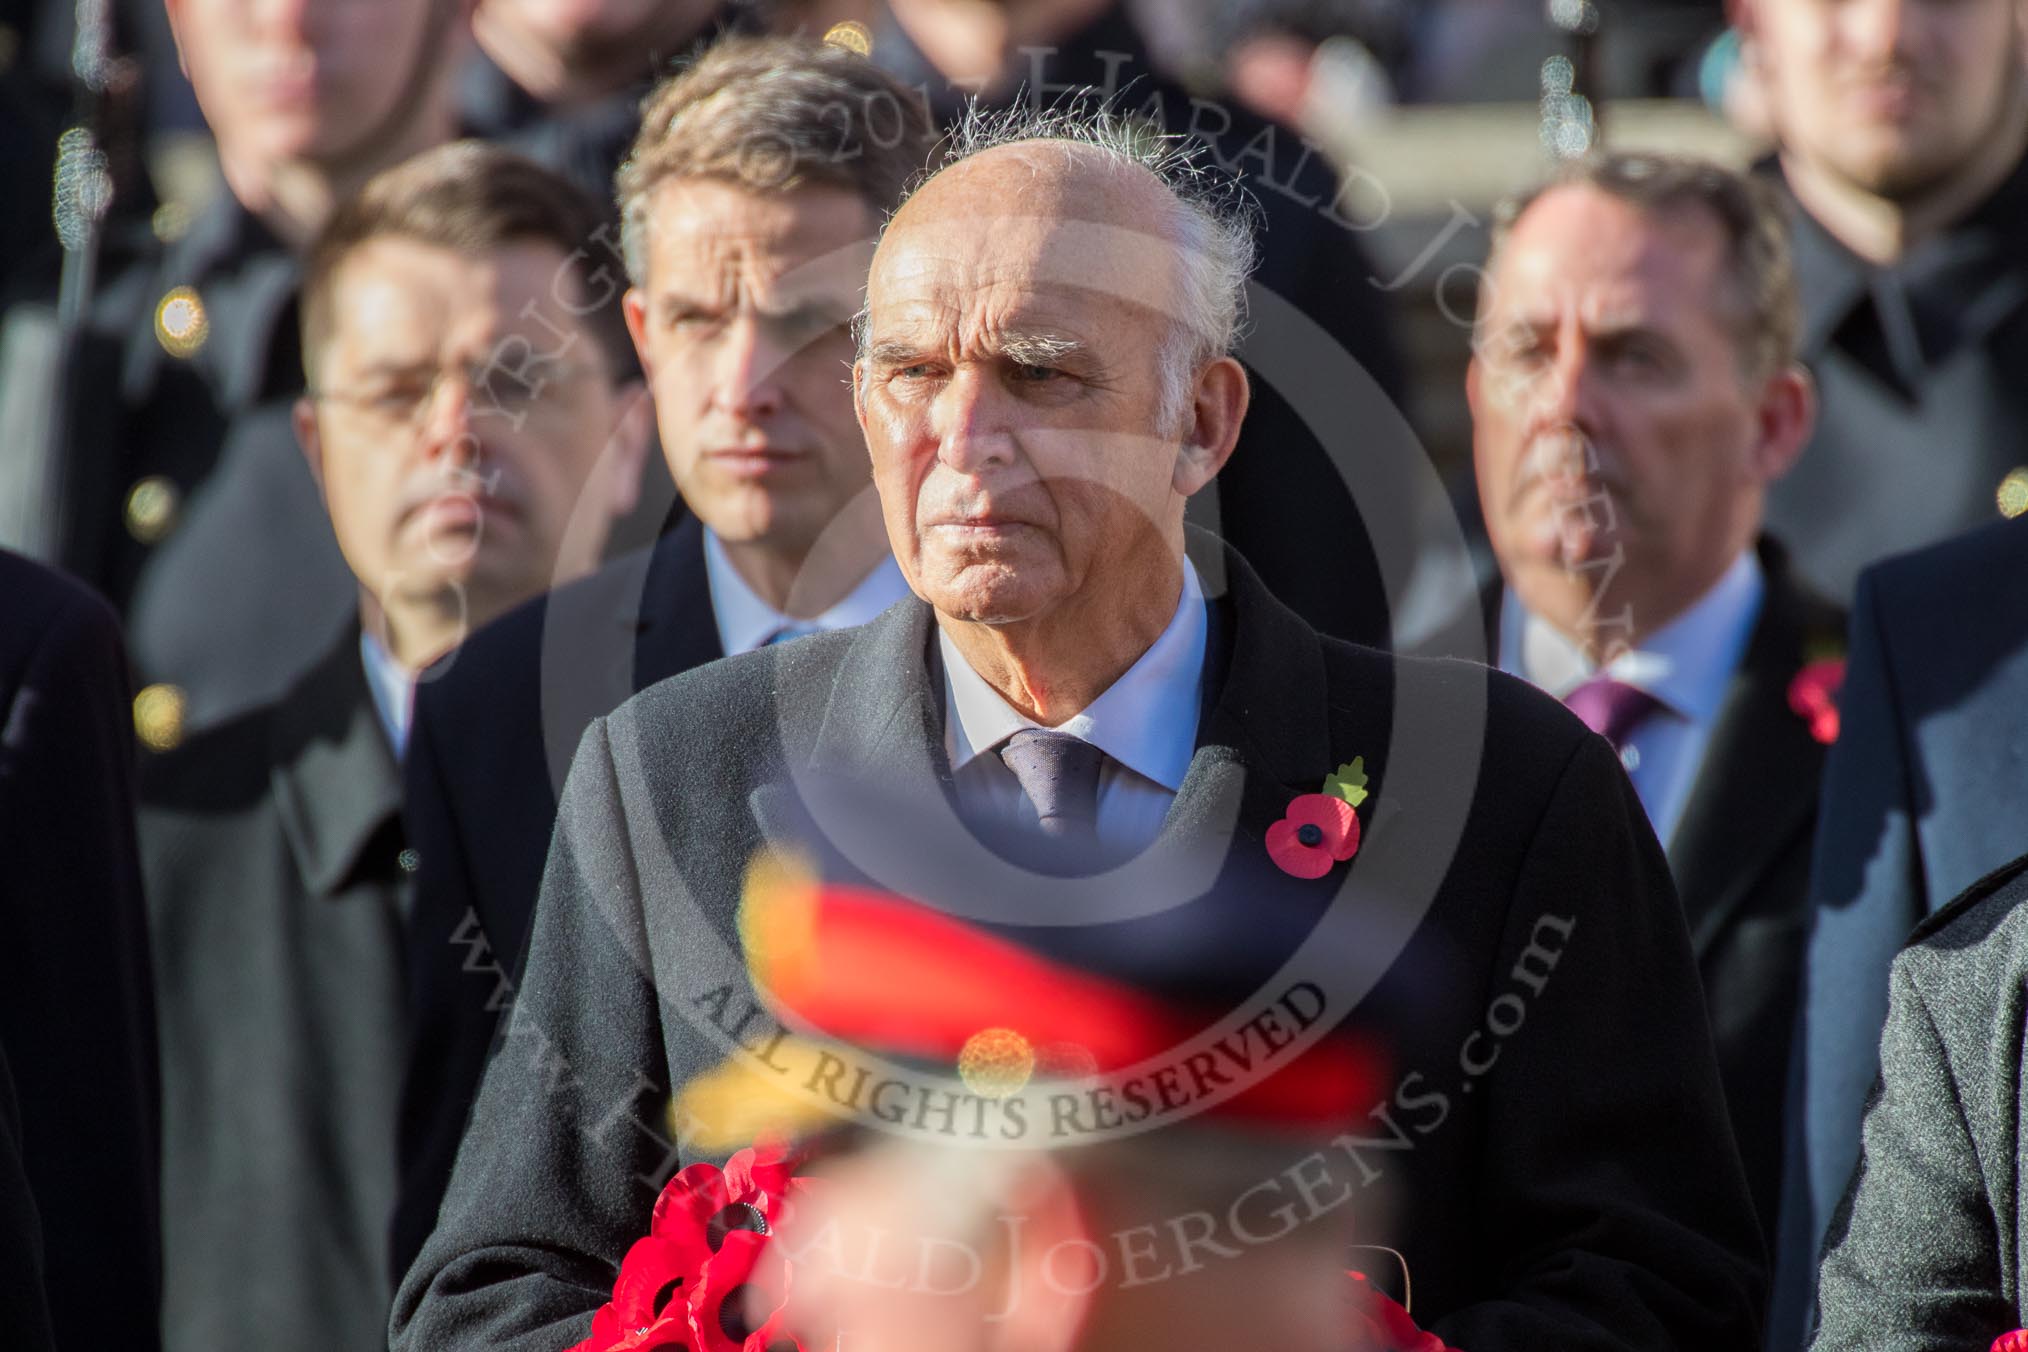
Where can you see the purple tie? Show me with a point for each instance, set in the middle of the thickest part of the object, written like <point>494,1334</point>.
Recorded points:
<point>1612,709</point>
<point>1059,774</point>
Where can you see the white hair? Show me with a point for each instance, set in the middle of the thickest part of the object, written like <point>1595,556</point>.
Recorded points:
<point>1210,220</point>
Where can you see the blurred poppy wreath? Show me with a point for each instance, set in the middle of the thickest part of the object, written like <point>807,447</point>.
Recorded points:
<point>694,1283</point>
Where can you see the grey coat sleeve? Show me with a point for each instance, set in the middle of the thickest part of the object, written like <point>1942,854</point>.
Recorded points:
<point>1912,1264</point>
<point>567,1147</point>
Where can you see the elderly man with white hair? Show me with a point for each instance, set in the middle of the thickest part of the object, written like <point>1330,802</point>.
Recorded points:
<point>1044,379</point>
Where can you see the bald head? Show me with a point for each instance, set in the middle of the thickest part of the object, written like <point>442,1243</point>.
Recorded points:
<point>1044,371</point>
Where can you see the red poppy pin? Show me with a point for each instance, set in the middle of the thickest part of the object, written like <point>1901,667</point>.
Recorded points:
<point>1321,829</point>
<point>2017,1341</point>
<point>1813,695</point>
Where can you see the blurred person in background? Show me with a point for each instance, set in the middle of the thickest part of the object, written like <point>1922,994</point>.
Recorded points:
<point>1634,392</point>
<point>184,497</point>
<point>745,272</point>
<point>473,423</point>
<point>562,80</point>
<point>1902,126</point>
<point>1284,498</point>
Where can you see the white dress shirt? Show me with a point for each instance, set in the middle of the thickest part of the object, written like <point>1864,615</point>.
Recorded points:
<point>1145,722</point>
<point>1687,665</point>
<point>745,621</point>
<point>392,686</point>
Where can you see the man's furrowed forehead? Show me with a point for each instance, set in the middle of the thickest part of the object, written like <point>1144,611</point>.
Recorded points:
<point>1021,260</point>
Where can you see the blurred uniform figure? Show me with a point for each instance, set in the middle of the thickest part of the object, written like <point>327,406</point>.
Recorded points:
<point>1903,127</point>
<point>474,422</point>
<point>563,83</point>
<point>77,1026</point>
<point>185,499</point>
<point>1283,500</point>
<point>1634,392</point>
<point>1230,1224</point>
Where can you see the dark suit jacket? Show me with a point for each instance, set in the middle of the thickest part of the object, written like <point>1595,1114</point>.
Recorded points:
<point>272,846</point>
<point>1922,797</point>
<point>1740,856</point>
<point>1741,859</point>
<point>76,1007</point>
<point>1926,1253</point>
<point>494,730</point>
<point>24,1300</point>
<point>1574,1186</point>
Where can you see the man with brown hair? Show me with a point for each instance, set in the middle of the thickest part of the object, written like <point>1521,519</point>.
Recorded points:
<point>749,208</point>
<point>473,424</point>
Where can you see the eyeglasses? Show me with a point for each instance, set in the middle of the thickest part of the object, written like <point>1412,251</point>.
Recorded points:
<point>402,401</point>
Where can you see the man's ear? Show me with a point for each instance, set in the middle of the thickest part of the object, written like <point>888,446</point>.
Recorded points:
<point>304,418</point>
<point>1055,1270</point>
<point>1218,406</point>
<point>634,306</point>
<point>859,398</point>
<point>632,432</point>
<point>1784,421</point>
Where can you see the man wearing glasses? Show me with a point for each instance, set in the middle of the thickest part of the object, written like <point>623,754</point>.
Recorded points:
<point>474,423</point>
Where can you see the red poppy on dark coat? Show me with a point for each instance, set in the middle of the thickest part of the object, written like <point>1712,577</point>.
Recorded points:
<point>1813,695</point>
<point>1320,829</point>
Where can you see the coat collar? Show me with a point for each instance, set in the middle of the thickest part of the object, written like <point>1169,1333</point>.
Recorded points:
<point>336,786</point>
<point>1263,736</point>
<point>1739,820</point>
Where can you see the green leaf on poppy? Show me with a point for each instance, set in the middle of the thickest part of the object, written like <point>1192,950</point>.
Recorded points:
<point>1348,782</point>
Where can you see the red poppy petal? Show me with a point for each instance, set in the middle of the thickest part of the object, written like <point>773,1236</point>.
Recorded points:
<point>1293,857</point>
<point>692,1197</point>
<point>1327,812</point>
<point>1348,845</point>
<point>2017,1341</point>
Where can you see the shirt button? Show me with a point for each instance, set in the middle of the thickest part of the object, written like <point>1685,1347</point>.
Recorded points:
<point>181,325</point>
<point>1630,756</point>
<point>151,508</point>
<point>2012,495</point>
<point>158,716</point>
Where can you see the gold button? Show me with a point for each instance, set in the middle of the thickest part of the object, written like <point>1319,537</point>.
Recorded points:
<point>996,1063</point>
<point>158,717</point>
<point>181,325</point>
<point>170,222</point>
<point>151,508</point>
<point>851,35</point>
<point>2013,493</point>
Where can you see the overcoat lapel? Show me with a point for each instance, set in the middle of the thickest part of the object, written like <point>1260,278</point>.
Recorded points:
<point>333,773</point>
<point>1757,787</point>
<point>1263,737</point>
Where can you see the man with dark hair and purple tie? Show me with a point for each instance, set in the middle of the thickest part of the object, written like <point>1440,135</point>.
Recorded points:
<point>1634,391</point>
